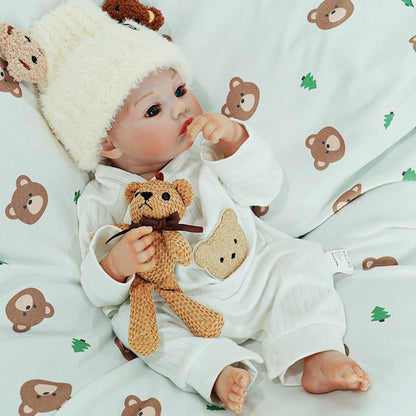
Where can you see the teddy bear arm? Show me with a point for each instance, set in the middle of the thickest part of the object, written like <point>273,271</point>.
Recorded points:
<point>178,247</point>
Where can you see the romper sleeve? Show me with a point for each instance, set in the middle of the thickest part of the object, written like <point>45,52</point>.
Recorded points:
<point>252,175</point>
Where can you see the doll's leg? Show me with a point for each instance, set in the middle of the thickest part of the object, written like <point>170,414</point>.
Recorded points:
<point>202,321</point>
<point>143,335</point>
<point>305,326</point>
<point>332,370</point>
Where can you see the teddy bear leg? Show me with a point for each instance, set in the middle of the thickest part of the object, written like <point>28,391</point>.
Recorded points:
<point>143,333</point>
<point>202,321</point>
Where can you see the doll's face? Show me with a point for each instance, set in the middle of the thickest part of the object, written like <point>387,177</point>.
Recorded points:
<point>149,130</point>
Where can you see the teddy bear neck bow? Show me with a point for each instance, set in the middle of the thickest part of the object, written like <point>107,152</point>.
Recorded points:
<point>170,223</point>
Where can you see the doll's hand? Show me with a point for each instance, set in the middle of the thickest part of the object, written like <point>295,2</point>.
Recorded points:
<point>215,127</point>
<point>133,253</point>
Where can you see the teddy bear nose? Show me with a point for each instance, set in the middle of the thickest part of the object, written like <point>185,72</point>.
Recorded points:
<point>146,195</point>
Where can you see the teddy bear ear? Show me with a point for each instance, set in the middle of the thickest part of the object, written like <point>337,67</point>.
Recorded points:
<point>3,30</point>
<point>131,190</point>
<point>185,190</point>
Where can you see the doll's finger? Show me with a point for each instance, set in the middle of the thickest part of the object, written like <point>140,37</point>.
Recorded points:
<point>196,127</point>
<point>215,136</point>
<point>145,255</point>
<point>145,267</point>
<point>143,243</point>
<point>138,233</point>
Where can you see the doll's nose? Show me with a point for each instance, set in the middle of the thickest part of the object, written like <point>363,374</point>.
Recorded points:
<point>146,195</point>
<point>179,109</point>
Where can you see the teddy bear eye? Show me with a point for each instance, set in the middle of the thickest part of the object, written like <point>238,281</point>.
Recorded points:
<point>165,196</point>
<point>28,39</point>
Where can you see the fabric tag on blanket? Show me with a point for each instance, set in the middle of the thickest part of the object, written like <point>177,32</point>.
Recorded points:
<point>340,261</point>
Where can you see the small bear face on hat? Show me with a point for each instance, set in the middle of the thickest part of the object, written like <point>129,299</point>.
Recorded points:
<point>225,249</point>
<point>26,60</point>
<point>133,10</point>
<point>242,99</point>
<point>327,146</point>
<point>331,13</point>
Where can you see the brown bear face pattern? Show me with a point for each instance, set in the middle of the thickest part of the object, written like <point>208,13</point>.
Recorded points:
<point>327,146</point>
<point>412,40</point>
<point>331,13</point>
<point>7,83</point>
<point>133,406</point>
<point>242,99</point>
<point>371,262</point>
<point>41,396</point>
<point>28,308</point>
<point>347,197</point>
<point>29,201</point>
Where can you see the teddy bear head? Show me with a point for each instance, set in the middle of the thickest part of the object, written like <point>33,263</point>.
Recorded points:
<point>158,199</point>
<point>26,60</point>
<point>133,10</point>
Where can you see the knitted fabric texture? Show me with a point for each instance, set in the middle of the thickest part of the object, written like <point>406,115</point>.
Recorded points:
<point>93,63</point>
<point>156,199</point>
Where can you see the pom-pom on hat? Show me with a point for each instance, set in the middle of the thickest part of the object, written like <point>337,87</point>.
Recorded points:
<point>93,63</point>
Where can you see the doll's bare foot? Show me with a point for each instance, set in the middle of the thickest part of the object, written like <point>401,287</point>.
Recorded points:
<point>331,370</point>
<point>231,387</point>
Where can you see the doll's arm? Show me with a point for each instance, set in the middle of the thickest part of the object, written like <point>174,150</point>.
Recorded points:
<point>178,247</point>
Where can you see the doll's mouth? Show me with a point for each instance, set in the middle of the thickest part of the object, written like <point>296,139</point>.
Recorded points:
<point>185,126</point>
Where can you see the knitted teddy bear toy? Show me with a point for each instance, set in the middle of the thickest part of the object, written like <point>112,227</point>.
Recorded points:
<point>133,10</point>
<point>161,205</point>
<point>25,59</point>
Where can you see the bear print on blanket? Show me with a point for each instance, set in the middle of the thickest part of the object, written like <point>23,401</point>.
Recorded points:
<point>331,13</point>
<point>242,99</point>
<point>41,396</point>
<point>29,201</point>
<point>134,406</point>
<point>327,146</point>
<point>28,308</point>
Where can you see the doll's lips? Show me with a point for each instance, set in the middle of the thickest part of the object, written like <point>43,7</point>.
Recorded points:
<point>185,126</point>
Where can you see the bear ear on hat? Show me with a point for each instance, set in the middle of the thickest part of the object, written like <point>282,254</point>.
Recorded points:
<point>26,61</point>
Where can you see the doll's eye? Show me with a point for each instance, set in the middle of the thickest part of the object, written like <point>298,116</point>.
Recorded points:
<point>180,91</point>
<point>165,196</point>
<point>153,111</point>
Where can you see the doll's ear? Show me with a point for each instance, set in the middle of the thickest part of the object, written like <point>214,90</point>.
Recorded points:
<point>110,151</point>
<point>131,191</point>
<point>185,190</point>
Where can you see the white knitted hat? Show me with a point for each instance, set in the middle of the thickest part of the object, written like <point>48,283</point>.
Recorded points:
<point>93,63</point>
